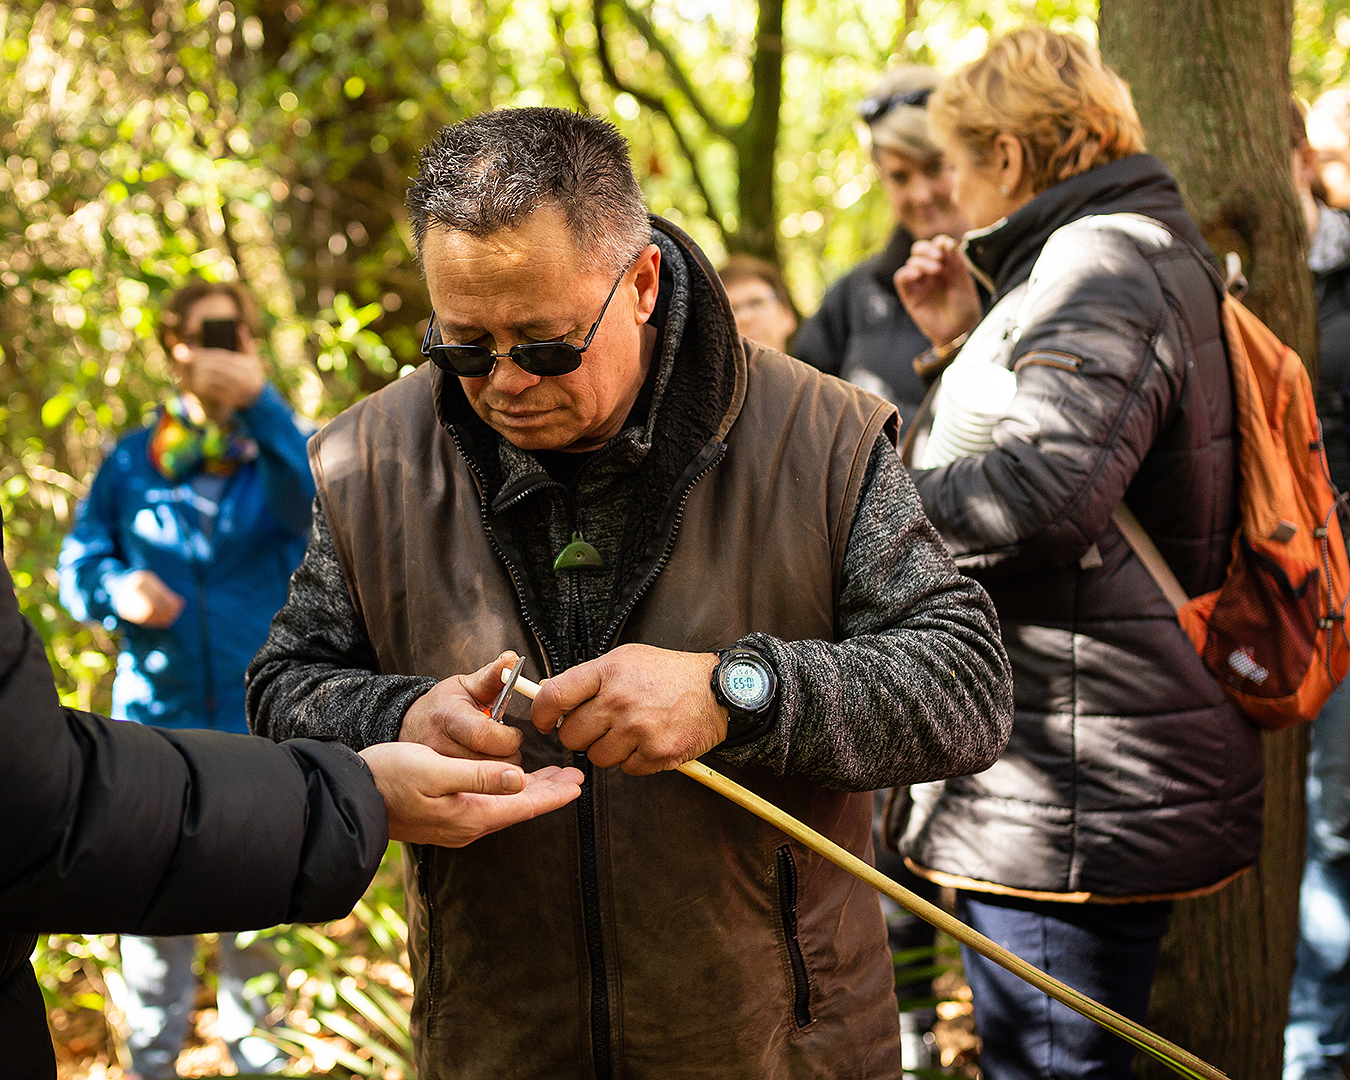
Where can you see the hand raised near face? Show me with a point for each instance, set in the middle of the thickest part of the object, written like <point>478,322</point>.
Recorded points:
<point>223,378</point>
<point>449,802</point>
<point>638,707</point>
<point>450,717</point>
<point>938,290</point>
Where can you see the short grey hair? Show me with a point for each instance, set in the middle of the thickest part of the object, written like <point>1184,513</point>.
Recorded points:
<point>493,170</point>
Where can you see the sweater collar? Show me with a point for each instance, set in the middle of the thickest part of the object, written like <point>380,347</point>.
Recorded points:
<point>1140,184</point>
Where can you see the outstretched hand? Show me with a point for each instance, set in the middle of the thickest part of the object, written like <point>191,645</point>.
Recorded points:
<point>451,802</point>
<point>938,290</point>
<point>450,717</point>
<point>638,707</point>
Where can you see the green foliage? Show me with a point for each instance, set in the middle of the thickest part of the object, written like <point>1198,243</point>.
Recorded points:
<point>1321,57</point>
<point>341,989</point>
<point>344,987</point>
<point>271,140</point>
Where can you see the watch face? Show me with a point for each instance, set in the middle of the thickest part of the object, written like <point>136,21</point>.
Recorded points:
<point>746,683</point>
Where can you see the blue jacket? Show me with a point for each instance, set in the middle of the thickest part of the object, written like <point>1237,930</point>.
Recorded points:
<point>191,674</point>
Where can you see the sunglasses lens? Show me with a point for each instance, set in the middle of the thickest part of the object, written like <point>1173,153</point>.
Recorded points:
<point>466,361</point>
<point>547,358</point>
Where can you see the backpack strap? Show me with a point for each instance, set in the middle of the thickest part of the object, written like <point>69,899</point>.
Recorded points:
<point>1143,546</point>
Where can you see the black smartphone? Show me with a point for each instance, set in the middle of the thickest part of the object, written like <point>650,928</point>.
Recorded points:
<point>220,334</point>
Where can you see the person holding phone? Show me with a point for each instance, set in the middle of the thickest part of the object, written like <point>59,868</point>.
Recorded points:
<point>185,545</point>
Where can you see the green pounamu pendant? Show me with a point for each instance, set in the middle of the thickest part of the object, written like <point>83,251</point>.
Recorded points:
<point>578,555</point>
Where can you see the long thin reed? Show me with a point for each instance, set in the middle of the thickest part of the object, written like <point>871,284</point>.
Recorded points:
<point>1182,1061</point>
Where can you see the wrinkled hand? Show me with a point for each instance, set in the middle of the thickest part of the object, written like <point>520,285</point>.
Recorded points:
<point>638,707</point>
<point>449,717</point>
<point>142,598</point>
<point>938,291</point>
<point>223,380</point>
<point>445,801</point>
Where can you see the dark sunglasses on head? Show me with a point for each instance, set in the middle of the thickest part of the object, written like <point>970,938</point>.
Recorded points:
<point>535,357</point>
<point>872,109</point>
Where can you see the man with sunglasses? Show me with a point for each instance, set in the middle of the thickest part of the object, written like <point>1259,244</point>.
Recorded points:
<point>862,332</point>
<point>702,547</point>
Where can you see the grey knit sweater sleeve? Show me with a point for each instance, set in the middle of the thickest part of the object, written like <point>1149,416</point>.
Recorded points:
<point>317,674</point>
<point>916,686</point>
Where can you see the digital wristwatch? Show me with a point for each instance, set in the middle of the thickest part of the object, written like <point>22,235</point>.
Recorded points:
<point>745,685</point>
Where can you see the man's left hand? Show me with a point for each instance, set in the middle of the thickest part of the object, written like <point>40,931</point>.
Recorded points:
<point>638,707</point>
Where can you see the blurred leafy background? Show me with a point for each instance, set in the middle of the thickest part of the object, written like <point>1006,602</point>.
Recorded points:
<point>271,140</point>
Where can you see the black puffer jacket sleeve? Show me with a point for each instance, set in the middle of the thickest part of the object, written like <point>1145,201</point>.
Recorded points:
<point>1100,360</point>
<point>117,827</point>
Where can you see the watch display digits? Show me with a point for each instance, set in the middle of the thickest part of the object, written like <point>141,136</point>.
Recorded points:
<point>745,685</point>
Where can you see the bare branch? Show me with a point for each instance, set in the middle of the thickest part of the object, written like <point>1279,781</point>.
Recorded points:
<point>643,26</point>
<point>658,105</point>
<point>697,172</point>
<point>569,61</point>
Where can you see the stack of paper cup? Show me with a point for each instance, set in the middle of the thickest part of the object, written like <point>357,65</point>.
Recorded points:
<point>971,399</point>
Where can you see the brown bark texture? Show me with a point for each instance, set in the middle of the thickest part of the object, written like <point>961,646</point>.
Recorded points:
<point>1210,80</point>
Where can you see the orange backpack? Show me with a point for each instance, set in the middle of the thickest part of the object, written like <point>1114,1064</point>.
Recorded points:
<point>1274,632</point>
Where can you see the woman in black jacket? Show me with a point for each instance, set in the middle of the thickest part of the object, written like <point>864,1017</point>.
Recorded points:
<point>115,827</point>
<point>1130,780</point>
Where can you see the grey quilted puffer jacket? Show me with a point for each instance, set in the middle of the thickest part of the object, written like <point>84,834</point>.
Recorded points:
<point>1129,774</point>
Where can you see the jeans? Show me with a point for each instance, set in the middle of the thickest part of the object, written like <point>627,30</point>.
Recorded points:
<point>1107,951</point>
<point>1318,1034</point>
<point>160,992</point>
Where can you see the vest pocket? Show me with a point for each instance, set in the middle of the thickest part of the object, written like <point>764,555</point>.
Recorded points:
<point>787,908</point>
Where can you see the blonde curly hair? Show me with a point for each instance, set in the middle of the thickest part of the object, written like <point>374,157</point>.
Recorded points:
<point>1050,91</point>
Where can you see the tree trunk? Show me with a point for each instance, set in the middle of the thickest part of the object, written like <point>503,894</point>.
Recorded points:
<point>1211,83</point>
<point>757,142</point>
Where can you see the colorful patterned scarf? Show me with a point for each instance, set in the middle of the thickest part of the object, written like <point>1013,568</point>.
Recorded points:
<point>179,447</point>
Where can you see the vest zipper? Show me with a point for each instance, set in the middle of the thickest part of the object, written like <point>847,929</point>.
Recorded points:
<point>588,853</point>
<point>433,945</point>
<point>539,638</point>
<point>590,876</point>
<point>612,632</point>
<point>590,918</point>
<point>787,907</point>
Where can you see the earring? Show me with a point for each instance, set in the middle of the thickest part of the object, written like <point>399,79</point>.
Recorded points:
<point>1006,190</point>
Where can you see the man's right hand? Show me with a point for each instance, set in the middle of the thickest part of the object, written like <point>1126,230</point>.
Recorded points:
<point>142,598</point>
<point>451,718</point>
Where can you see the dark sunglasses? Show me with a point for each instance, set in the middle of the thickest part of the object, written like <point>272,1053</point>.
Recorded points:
<point>872,109</point>
<point>536,357</point>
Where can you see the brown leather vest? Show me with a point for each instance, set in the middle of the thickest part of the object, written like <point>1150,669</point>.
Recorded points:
<point>719,948</point>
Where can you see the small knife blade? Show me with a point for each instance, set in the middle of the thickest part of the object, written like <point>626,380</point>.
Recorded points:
<point>508,684</point>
